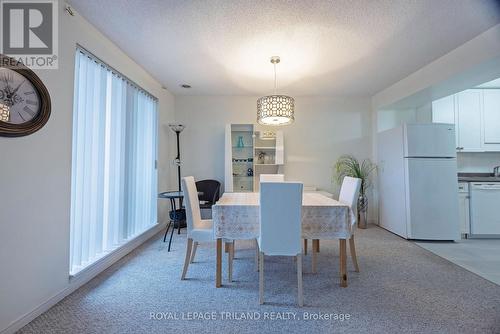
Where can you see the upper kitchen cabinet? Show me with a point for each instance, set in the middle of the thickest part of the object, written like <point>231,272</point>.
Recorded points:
<point>468,123</point>
<point>491,117</point>
<point>476,115</point>
<point>443,111</point>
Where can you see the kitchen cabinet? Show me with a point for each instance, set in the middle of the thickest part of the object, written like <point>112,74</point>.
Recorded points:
<point>464,207</point>
<point>491,117</point>
<point>468,115</point>
<point>476,115</point>
<point>443,111</point>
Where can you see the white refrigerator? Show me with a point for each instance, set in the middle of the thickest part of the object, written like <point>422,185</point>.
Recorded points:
<point>417,181</point>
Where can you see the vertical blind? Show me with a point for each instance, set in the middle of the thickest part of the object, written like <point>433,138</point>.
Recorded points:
<point>114,179</point>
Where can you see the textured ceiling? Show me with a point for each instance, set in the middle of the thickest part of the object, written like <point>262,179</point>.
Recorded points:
<point>342,47</point>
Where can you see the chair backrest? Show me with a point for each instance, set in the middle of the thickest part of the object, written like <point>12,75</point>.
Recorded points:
<point>272,178</point>
<point>193,215</point>
<point>280,218</point>
<point>349,193</point>
<point>210,190</point>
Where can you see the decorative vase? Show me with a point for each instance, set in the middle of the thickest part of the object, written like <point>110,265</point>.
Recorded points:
<point>261,158</point>
<point>362,211</point>
<point>240,142</point>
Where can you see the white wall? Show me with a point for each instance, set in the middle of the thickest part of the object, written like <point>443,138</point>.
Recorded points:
<point>472,63</point>
<point>324,129</point>
<point>388,119</point>
<point>35,174</point>
<point>391,118</point>
<point>482,162</point>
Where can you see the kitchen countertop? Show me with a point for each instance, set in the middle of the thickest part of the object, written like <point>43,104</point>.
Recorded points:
<point>477,177</point>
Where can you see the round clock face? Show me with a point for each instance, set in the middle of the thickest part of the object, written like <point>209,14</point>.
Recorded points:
<point>19,100</point>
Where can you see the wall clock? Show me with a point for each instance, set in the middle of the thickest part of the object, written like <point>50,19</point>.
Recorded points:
<point>24,100</point>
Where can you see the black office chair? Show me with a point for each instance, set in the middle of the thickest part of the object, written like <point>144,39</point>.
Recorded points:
<point>210,192</point>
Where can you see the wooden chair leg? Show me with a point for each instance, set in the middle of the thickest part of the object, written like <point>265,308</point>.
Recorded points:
<point>234,248</point>
<point>230,257</point>
<point>261,278</point>
<point>256,255</point>
<point>305,246</point>
<point>218,263</point>
<point>188,255</point>
<point>299,280</point>
<point>353,254</point>
<point>314,255</point>
<point>343,260</point>
<point>193,253</point>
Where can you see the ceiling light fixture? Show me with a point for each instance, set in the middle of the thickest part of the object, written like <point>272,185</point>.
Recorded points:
<point>185,86</point>
<point>275,109</point>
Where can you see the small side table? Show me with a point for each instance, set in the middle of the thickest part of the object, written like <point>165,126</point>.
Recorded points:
<point>177,216</point>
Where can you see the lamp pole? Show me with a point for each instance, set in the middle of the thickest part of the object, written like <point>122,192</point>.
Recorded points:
<point>178,159</point>
<point>177,128</point>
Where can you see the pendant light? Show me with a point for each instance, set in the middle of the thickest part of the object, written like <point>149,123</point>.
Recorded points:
<point>275,109</point>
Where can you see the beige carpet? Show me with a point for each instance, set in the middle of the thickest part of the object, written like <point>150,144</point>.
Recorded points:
<point>401,288</point>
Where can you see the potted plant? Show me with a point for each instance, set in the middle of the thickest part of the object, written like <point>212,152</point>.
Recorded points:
<point>348,165</point>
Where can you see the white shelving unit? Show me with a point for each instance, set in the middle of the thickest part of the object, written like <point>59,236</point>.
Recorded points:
<point>268,154</point>
<point>249,152</point>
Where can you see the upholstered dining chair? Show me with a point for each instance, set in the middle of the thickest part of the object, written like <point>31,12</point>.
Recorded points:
<point>210,194</point>
<point>272,178</point>
<point>266,178</point>
<point>198,230</point>
<point>349,193</point>
<point>280,227</point>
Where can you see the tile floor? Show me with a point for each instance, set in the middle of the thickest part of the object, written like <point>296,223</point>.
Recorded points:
<point>480,256</point>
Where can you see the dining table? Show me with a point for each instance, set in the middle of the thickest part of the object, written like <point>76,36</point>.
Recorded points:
<point>236,217</point>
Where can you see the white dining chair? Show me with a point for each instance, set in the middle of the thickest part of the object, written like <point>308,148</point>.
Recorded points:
<point>280,227</point>
<point>349,193</point>
<point>266,178</point>
<point>198,230</point>
<point>272,178</point>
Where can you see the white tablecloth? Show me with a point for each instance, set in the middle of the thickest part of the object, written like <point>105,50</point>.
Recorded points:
<point>236,216</point>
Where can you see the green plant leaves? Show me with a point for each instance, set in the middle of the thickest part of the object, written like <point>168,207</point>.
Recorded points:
<point>348,165</point>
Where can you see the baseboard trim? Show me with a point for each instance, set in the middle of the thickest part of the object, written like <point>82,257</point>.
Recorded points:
<point>83,277</point>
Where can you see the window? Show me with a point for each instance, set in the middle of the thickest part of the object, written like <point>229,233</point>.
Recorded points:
<point>114,179</point>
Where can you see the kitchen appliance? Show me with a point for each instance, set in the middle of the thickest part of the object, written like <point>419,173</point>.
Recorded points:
<point>418,197</point>
<point>484,202</point>
<point>464,209</point>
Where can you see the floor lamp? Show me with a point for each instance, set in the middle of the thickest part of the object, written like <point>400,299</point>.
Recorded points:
<point>177,128</point>
<point>177,216</point>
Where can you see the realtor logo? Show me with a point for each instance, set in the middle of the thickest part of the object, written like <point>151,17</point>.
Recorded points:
<point>29,32</point>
